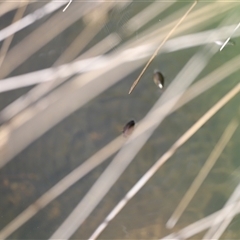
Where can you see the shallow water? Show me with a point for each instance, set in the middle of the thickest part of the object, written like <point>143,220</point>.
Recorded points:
<point>68,144</point>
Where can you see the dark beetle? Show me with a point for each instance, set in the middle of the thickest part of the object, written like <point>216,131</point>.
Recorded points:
<point>158,78</point>
<point>128,128</point>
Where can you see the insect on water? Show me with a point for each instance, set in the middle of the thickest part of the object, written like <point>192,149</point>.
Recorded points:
<point>158,79</point>
<point>128,128</point>
<point>157,50</point>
